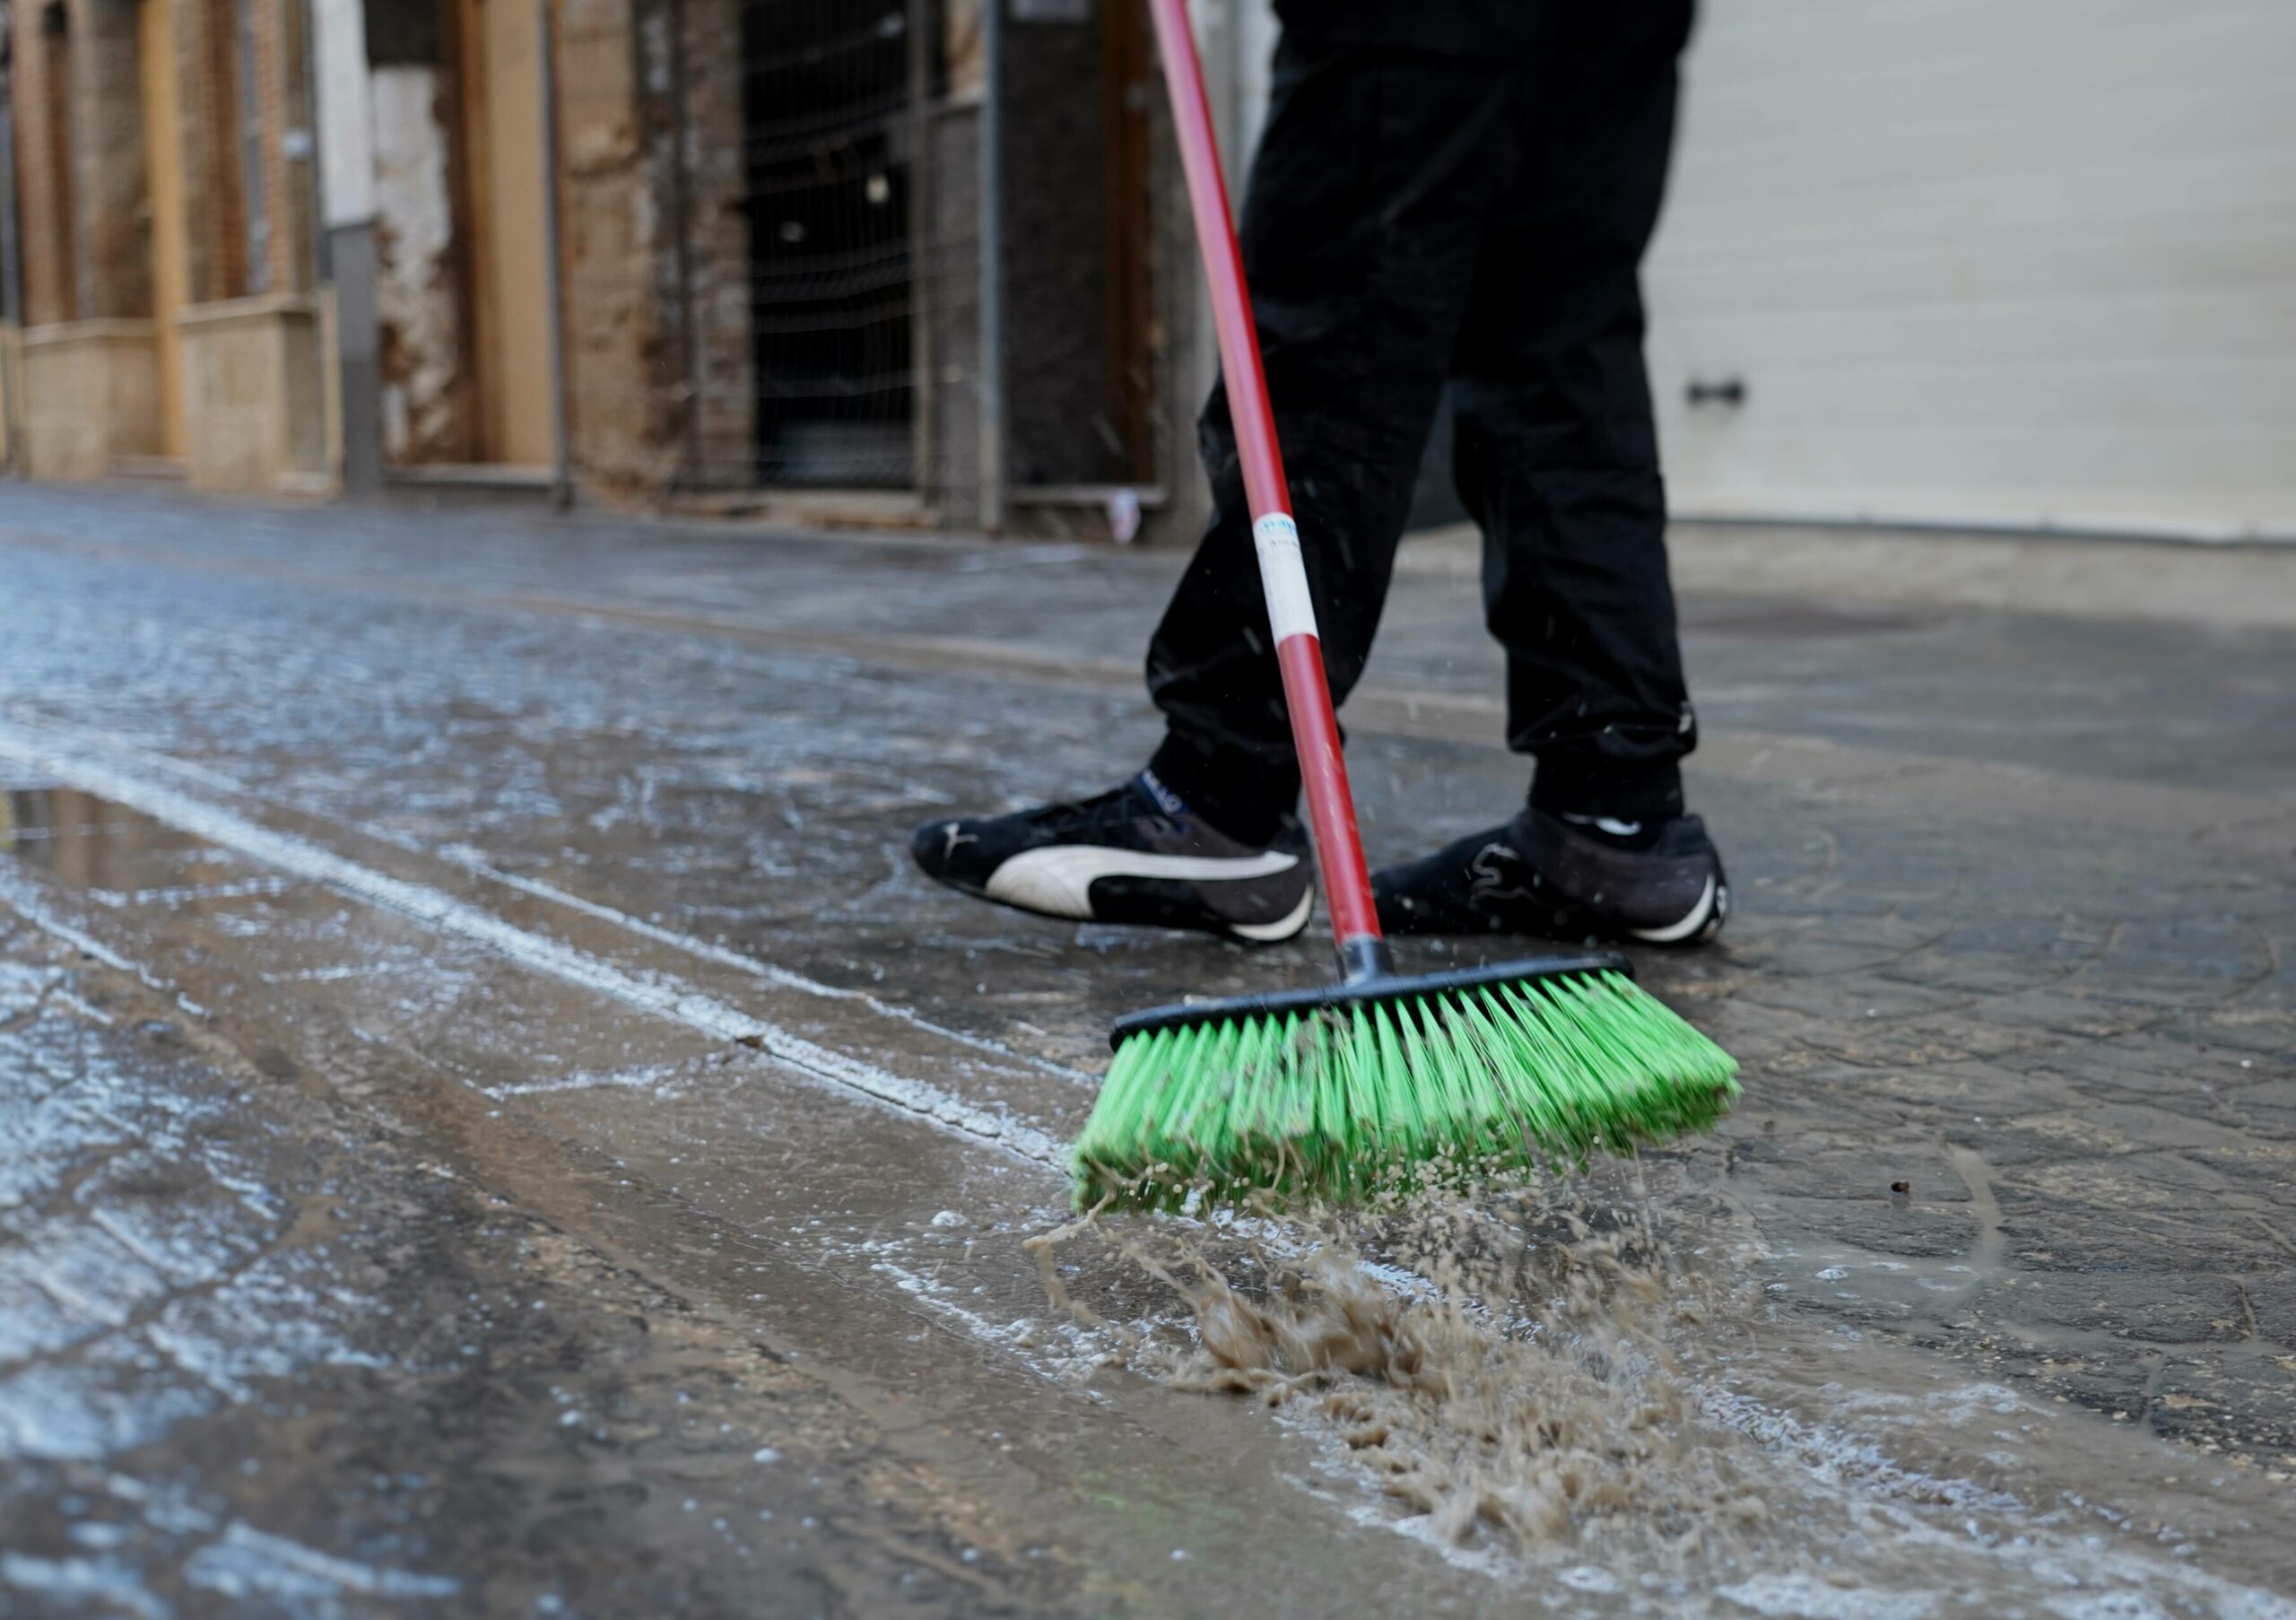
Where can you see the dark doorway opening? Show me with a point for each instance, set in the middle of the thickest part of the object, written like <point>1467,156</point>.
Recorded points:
<point>825,111</point>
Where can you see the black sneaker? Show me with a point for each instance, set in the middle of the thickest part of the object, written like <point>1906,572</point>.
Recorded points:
<point>1568,879</point>
<point>1132,855</point>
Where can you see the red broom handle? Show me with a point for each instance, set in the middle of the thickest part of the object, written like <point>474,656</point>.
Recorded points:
<point>1290,610</point>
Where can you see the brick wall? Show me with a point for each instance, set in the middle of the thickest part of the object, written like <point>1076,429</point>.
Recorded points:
<point>79,161</point>
<point>716,249</point>
<point>108,153</point>
<point>43,191</point>
<point>626,428</point>
<point>654,247</point>
<point>283,96</point>
<point>207,45</point>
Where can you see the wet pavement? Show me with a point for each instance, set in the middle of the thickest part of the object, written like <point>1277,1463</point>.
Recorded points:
<point>495,1125</point>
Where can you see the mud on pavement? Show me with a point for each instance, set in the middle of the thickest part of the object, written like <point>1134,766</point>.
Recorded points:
<point>481,1077</point>
<point>269,1354</point>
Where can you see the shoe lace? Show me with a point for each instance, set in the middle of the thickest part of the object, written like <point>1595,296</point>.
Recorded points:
<point>1114,808</point>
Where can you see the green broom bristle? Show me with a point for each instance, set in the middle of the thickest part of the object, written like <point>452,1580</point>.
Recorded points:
<point>1357,1102</point>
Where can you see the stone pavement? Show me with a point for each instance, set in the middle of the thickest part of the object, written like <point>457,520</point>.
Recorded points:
<point>466,850</point>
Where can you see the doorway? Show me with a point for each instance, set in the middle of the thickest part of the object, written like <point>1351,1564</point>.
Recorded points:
<point>825,111</point>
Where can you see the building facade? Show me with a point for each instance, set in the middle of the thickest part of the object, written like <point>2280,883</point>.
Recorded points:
<point>2023,267</point>
<point>2006,266</point>
<point>724,254</point>
<point>163,242</point>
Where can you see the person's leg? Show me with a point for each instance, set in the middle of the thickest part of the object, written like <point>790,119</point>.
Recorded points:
<point>1374,180</point>
<point>1363,219</point>
<point>1556,456</point>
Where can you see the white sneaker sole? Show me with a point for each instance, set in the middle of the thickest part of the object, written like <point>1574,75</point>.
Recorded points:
<point>1703,922</point>
<point>1058,882</point>
<point>1276,933</point>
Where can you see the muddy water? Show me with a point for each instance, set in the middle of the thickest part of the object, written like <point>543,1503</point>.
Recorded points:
<point>1587,1391</point>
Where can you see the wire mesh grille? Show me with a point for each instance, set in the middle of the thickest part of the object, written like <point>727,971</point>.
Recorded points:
<point>773,217</point>
<point>772,264</point>
<point>828,134</point>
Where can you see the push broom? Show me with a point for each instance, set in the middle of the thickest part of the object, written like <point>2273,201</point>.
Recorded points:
<point>1381,1082</point>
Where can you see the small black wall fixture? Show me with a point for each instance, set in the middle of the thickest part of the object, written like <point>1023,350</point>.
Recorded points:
<point>1729,391</point>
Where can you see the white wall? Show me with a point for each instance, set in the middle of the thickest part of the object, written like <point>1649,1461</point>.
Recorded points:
<point>2016,261</point>
<point>345,117</point>
<point>416,303</point>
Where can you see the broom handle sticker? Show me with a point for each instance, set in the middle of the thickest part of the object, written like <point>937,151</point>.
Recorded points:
<point>1283,575</point>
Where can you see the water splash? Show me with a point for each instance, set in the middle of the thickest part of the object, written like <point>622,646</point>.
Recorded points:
<point>1582,1388</point>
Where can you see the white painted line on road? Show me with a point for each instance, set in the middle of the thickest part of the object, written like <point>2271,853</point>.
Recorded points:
<point>474,861</point>
<point>67,758</point>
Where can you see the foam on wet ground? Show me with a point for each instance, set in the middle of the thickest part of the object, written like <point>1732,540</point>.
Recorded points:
<point>1586,1391</point>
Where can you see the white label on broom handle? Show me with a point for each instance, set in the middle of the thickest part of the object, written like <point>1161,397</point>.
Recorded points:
<point>1284,577</point>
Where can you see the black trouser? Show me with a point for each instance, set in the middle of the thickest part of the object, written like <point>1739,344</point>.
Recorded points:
<point>1413,220</point>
